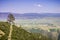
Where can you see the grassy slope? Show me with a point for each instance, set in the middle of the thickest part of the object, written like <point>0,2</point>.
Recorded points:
<point>19,33</point>
<point>4,26</point>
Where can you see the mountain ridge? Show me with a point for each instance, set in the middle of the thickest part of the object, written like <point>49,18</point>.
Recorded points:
<point>31,15</point>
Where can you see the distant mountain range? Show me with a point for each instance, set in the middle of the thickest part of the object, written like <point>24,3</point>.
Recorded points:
<point>30,15</point>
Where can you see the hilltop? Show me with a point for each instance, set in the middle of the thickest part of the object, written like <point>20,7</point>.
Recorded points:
<point>19,33</point>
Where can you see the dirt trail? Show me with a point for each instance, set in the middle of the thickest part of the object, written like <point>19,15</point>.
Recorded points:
<point>9,37</point>
<point>1,33</point>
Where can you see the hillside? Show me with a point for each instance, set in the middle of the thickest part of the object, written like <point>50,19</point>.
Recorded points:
<point>19,33</point>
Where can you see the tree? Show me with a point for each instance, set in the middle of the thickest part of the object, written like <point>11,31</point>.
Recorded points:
<point>11,21</point>
<point>10,18</point>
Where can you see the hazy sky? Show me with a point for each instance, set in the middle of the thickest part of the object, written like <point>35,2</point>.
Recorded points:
<point>30,6</point>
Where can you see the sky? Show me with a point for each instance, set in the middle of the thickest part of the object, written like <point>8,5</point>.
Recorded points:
<point>30,6</point>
